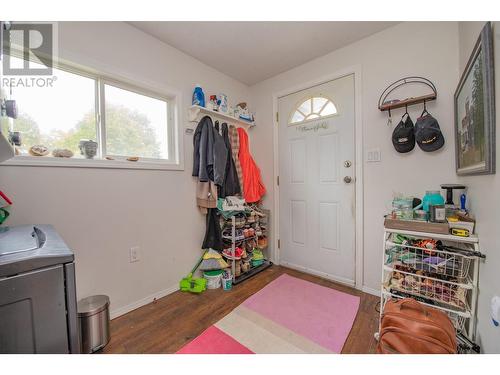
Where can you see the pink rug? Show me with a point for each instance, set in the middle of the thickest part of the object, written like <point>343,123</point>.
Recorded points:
<point>214,341</point>
<point>289,315</point>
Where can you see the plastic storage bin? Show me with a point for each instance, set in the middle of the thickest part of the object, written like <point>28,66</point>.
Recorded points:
<point>214,279</point>
<point>93,319</point>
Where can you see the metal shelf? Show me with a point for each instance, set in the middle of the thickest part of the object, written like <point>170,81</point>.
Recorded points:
<point>383,105</point>
<point>240,240</point>
<point>407,102</point>
<point>473,239</point>
<point>467,278</point>
<point>466,284</point>
<point>252,272</point>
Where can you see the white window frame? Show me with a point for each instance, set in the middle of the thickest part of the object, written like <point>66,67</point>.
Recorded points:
<point>320,117</point>
<point>174,162</point>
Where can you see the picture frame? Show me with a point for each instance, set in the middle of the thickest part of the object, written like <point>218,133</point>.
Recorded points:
<point>474,107</point>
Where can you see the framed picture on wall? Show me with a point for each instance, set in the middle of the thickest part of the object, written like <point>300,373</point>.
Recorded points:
<point>475,110</point>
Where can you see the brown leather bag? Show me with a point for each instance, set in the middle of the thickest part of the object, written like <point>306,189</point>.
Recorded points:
<point>409,327</point>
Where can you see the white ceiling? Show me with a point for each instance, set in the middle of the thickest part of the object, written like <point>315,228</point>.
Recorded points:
<point>254,51</point>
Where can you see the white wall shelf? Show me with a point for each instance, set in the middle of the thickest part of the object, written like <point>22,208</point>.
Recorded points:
<point>196,110</point>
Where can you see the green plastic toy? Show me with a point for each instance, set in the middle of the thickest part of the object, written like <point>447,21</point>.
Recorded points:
<point>4,214</point>
<point>191,284</point>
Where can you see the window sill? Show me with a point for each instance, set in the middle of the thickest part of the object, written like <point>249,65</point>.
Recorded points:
<point>44,161</point>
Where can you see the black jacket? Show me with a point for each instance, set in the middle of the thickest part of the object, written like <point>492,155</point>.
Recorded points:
<point>231,184</point>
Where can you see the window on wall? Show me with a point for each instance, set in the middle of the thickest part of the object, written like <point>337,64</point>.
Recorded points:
<point>57,116</point>
<point>135,124</point>
<point>312,109</point>
<point>124,120</point>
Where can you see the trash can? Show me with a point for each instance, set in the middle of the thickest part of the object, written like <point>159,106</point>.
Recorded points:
<point>93,319</point>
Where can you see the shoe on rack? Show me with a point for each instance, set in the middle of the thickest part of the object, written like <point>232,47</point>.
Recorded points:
<point>238,253</point>
<point>257,254</point>
<point>227,234</point>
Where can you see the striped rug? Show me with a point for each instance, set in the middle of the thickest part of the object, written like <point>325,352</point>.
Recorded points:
<point>289,315</point>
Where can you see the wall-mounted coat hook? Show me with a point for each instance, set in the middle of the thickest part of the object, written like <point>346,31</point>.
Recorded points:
<point>386,105</point>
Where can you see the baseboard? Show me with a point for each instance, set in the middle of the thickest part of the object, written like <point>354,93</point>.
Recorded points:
<point>318,273</point>
<point>372,291</point>
<point>135,305</point>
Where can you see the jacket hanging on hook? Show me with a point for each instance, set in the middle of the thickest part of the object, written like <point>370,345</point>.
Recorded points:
<point>253,187</point>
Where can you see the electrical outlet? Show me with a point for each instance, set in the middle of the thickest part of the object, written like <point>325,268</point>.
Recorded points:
<point>135,254</point>
<point>373,155</point>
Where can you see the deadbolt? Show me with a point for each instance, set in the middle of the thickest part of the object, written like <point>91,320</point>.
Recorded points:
<point>347,163</point>
<point>347,179</point>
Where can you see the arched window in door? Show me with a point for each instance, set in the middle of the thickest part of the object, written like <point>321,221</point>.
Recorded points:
<point>312,109</point>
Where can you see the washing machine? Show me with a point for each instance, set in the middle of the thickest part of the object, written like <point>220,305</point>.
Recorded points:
<point>38,310</point>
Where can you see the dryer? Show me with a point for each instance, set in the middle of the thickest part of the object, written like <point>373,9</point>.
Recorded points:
<point>38,311</point>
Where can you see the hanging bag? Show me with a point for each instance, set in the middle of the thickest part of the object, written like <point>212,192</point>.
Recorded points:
<point>410,327</point>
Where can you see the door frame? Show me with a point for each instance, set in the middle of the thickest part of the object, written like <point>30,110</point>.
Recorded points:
<point>358,173</point>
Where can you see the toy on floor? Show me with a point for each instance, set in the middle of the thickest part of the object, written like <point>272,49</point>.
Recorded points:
<point>191,284</point>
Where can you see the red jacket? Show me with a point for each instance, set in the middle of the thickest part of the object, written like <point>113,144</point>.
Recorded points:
<point>253,188</point>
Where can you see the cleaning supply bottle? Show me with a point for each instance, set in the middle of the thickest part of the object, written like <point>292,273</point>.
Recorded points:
<point>431,198</point>
<point>463,198</point>
<point>198,96</point>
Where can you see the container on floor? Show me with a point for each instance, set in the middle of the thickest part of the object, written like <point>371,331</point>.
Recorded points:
<point>93,318</point>
<point>227,281</point>
<point>213,279</point>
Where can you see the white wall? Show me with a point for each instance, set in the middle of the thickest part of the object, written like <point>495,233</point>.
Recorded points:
<point>87,205</point>
<point>484,200</point>
<point>423,49</point>
<point>101,213</point>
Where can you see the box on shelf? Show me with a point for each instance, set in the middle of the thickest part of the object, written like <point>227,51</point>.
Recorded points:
<point>462,223</point>
<point>417,226</point>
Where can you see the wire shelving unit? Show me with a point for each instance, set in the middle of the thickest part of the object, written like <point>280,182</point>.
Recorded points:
<point>443,277</point>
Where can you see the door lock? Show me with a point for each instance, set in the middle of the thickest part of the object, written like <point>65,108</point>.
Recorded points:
<point>347,179</point>
<point>347,163</point>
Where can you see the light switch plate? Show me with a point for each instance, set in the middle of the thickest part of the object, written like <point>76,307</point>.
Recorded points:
<point>135,254</point>
<point>373,155</point>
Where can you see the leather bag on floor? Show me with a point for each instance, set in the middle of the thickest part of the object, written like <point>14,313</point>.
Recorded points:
<point>409,327</point>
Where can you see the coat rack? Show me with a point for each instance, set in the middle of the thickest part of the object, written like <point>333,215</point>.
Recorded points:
<point>196,112</point>
<point>388,105</point>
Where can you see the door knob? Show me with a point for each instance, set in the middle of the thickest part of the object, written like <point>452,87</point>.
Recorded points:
<point>347,179</point>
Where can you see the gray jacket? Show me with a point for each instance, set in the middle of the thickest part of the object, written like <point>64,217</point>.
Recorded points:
<point>209,154</point>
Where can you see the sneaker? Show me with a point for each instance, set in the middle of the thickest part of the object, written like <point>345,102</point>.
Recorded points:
<point>227,235</point>
<point>238,253</point>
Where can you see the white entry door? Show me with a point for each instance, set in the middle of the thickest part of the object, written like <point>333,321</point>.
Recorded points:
<point>316,179</point>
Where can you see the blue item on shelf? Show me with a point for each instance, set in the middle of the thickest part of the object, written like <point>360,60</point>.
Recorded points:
<point>246,118</point>
<point>433,198</point>
<point>198,96</point>
<point>462,202</point>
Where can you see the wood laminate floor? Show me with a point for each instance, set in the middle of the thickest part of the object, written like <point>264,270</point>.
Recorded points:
<point>167,324</point>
